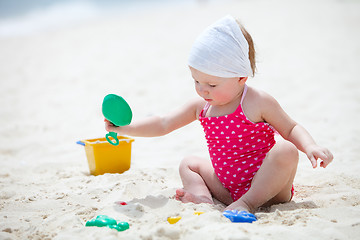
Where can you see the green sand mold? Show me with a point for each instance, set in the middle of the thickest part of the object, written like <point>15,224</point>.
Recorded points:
<point>105,221</point>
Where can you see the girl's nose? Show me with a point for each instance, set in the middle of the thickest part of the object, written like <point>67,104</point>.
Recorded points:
<point>203,90</point>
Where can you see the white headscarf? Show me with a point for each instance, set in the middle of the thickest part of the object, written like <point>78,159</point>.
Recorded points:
<point>221,50</point>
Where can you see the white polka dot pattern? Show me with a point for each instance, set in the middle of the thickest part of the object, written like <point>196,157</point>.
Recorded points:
<point>237,148</point>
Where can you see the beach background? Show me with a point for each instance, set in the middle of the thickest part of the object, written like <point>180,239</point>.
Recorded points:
<point>58,61</point>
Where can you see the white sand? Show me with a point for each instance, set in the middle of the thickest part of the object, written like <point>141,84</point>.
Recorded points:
<point>52,84</point>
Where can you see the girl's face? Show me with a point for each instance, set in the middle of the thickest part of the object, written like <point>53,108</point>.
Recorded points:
<point>217,90</point>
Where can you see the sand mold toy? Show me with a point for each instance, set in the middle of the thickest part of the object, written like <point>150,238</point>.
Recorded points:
<point>105,221</point>
<point>237,216</point>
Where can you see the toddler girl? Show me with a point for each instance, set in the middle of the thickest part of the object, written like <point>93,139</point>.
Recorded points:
<point>248,168</point>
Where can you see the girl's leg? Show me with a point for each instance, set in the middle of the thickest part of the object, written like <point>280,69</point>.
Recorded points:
<point>273,182</point>
<point>200,182</point>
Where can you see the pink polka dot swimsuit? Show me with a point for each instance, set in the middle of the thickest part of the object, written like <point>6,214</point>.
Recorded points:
<point>237,147</point>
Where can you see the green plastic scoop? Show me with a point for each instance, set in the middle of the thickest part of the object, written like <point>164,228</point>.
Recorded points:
<point>118,112</point>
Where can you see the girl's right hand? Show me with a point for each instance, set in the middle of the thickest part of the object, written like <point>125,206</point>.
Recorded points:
<point>110,127</point>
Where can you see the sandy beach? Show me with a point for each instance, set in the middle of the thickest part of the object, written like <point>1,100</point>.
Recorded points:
<point>53,81</point>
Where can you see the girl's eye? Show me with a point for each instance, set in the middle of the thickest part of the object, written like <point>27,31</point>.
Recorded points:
<point>212,85</point>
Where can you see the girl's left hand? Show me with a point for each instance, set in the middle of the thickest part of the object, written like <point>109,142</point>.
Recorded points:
<point>314,152</point>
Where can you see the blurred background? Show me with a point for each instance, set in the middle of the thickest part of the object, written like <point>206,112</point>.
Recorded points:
<point>20,17</point>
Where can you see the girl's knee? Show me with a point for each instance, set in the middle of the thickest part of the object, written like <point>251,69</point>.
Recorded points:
<point>190,162</point>
<point>291,151</point>
<point>287,153</point>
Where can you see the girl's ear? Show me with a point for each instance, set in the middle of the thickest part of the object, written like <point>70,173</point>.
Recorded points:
<point>243,80</point>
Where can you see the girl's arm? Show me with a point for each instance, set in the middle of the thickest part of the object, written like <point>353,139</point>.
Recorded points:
<point>293,132</point>
<point>304,142</point>
<point>160,125</point>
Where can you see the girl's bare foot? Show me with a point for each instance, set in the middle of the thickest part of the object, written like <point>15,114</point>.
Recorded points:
<point>186,197</point>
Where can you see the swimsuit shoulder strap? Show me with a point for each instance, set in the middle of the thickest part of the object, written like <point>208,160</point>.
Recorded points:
<point>243,95</point>
<point>205,109</point>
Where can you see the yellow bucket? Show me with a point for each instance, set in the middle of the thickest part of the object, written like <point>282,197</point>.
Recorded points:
<point>106,158</point>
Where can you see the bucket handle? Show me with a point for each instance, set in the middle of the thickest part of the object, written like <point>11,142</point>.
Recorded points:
<point>80,143</point>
